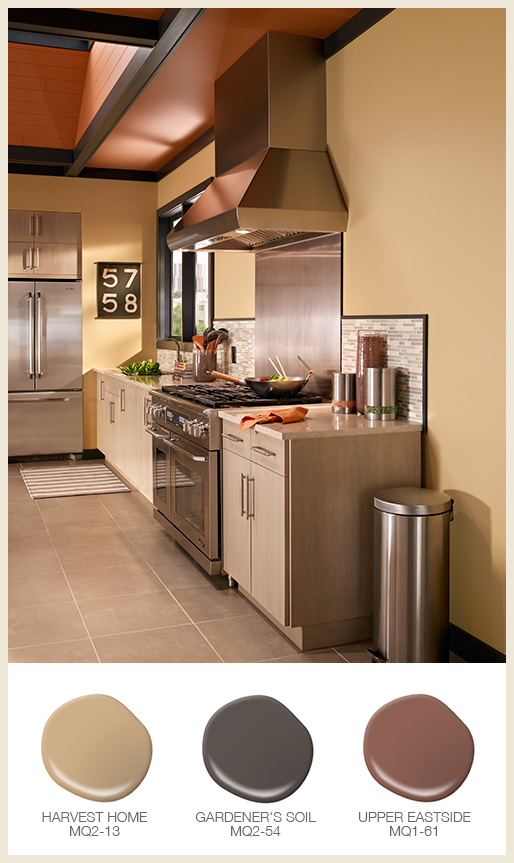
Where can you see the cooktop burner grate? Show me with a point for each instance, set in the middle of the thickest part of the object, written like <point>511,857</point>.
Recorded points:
<point>233,395</point>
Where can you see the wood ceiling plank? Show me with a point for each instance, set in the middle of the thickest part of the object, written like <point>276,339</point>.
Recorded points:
<point>182,23</point>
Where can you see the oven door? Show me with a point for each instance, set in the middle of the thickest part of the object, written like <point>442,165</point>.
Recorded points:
<point>161,471</point>
<point>194,494</point>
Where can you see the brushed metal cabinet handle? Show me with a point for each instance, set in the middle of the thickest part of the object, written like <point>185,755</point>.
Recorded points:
<point>242,495</point>
<point>250,512</point>
<point>262,451</point>
<point>232,437</point>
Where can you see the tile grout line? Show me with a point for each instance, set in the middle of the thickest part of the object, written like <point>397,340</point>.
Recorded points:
<point>165,587</point>
<point>68,583</point>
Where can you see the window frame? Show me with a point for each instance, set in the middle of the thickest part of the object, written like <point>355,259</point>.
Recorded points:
<point>166,215</point>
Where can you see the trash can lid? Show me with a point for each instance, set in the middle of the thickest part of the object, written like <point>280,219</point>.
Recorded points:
<point>413,501</point>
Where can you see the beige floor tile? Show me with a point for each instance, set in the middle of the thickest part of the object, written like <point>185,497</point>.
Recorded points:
<point>175,644</point>
<point>23,539</point>
<point>33,562</point>
<point>159,548</point>
<point>207,603</point>
<point>95,556</point>
<point>126,505</point>
<point>117,614</point>
<point>79,510</point>
<point>247,639</point>
<point>44,624</point>
<point>36,590</point>
<point>179,572</point>
<point>322,657</point>
<point>77,536</point>
<point>65,651</point>
<point>356,652</point>
<point>106,581</point>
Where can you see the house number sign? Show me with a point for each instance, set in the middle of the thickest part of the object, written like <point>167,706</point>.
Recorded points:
<point>118,290</point>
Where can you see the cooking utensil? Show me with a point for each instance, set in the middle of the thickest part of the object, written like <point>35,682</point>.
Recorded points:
<point>222,337</point>
<point>281,366</point>
<point>275,367</point>
<point>276,389</point>
<point>298,357</point>
<point>199,343</point>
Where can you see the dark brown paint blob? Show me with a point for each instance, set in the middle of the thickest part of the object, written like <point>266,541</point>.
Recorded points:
<point>96,748</point>
<point>417,747</point>
<point>256,748</point>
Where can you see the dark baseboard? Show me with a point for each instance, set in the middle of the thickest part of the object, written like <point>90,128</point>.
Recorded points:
<point>471,649</point>
<point>92,453</point>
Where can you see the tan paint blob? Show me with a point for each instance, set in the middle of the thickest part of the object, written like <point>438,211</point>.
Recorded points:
<point>96,748</point>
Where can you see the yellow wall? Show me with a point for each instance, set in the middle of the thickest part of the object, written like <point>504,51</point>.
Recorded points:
<point>416,128</point>
<point>234,272</point>
<point>234,279</point>
<point>118,224</point>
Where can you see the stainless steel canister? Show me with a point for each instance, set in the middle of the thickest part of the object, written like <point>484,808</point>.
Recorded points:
<point>380,394</point>
<point>343,393</point>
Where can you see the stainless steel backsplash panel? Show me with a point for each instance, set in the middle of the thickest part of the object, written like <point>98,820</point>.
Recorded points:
<point>298,309</point>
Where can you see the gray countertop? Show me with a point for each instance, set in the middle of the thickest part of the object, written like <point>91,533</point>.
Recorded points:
<point>321,422</point>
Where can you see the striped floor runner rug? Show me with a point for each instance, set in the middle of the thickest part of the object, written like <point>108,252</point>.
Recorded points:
<point>66,480</point>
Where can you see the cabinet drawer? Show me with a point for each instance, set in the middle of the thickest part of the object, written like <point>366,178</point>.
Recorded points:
<point>269,452</point>
<point>234,442</point>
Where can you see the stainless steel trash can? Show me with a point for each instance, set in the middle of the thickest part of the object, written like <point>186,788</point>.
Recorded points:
<point>411,575</point>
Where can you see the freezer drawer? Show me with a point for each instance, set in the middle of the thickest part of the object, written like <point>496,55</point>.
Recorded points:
<point>45,423</point>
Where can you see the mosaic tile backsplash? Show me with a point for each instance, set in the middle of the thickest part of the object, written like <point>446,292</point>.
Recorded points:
<point>404,338</point>
<point>404,352</point>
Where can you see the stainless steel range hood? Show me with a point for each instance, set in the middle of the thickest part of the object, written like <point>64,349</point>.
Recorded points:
<point>274,182</point>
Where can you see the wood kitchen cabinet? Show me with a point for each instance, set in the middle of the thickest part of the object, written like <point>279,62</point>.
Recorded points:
<point>44,244</point>
<point>254,528</point>
<point>298,524</point>
<point>121,429</point>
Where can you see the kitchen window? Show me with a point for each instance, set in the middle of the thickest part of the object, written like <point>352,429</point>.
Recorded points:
<point>185,280</point>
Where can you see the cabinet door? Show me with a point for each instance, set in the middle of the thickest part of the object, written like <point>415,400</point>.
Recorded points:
<point>21,226</point>
<point>269,509</point>
<point>102,416</point>
<point>57,227</point>
<point>57,259</point>
<point>143,443</point>
<point>21,258</point>
<point>236,523</point>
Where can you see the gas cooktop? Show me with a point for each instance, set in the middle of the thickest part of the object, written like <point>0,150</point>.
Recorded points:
<point>233,395</point>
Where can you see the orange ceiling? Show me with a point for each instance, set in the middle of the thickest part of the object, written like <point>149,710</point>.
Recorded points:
<point>45,95</point>
<point>178,104</point>
<point>46,85</point>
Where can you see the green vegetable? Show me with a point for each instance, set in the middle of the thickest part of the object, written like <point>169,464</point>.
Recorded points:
<point>276,378</point>
<point>145,367</point>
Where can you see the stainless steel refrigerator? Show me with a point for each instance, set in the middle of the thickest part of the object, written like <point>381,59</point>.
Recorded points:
<point>45,367</point>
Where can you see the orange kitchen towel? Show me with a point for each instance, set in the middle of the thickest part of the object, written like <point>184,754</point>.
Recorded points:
<point>279,415</point>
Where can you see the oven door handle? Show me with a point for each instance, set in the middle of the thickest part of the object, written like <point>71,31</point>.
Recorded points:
<point>173,443</point>
<point>153,431</point>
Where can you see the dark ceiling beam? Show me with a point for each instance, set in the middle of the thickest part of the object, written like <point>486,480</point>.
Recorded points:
<point>23,37</point>
<point>353,28</point>
<point>40,156</point>
<point>99,130</point>
<point>93,26</point>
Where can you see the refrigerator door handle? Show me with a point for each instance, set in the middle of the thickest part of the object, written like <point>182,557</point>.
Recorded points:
<point>30,298</point>
<point>44,397</point>
<point>39,335</point>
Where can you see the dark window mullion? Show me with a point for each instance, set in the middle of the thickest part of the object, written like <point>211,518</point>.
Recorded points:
<point>188,296</point>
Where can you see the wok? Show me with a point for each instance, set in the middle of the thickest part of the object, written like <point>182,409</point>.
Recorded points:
<point>276,389</point>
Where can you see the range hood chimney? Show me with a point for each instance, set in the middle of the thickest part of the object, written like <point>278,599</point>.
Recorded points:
<point>274,181</point>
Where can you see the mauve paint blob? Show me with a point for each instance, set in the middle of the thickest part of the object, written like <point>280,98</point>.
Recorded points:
<point>96,748</point>
<point>257,749</point>
<point>417,747</point>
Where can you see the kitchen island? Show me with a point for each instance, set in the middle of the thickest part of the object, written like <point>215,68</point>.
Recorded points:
<point>298,516</point>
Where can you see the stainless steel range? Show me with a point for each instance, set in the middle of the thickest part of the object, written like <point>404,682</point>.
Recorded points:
<point>186,432</point>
